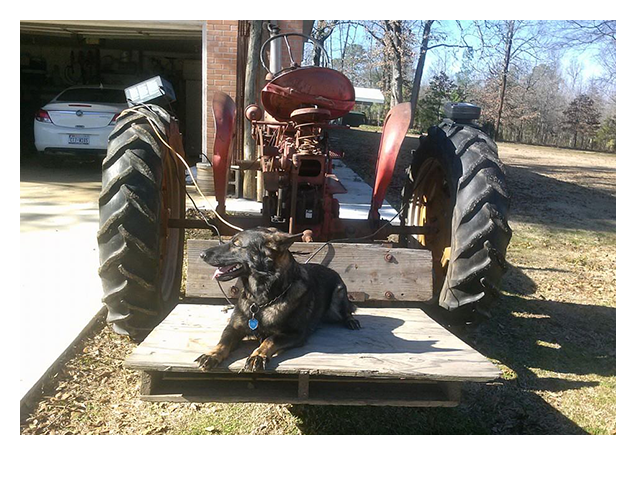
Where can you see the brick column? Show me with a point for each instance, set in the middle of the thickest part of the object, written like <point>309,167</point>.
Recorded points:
<point>220,68</point>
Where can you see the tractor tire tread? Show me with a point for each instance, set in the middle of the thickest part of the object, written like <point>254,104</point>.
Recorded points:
<point>130,216</point>
<point>480,232</point>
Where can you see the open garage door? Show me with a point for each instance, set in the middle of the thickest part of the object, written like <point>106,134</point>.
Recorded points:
<point>55,55</point>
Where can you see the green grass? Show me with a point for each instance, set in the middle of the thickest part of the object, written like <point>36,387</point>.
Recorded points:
<point>241,419</point>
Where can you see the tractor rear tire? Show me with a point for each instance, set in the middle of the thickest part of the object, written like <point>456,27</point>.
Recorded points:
<point>140,257</point>
<point>468,204</point>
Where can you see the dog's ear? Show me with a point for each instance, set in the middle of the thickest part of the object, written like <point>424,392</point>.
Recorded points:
<point>281,241</point>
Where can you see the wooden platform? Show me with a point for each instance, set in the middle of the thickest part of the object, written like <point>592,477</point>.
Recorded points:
<point>399,357</point>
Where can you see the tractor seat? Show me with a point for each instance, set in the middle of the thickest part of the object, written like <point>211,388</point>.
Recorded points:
<point>322,88</point>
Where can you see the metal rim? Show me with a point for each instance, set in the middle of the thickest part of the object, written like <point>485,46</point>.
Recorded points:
<point>430,206</point>
<point>170,239</point>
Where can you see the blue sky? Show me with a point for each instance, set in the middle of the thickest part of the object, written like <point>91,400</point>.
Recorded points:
<point>591,67</point>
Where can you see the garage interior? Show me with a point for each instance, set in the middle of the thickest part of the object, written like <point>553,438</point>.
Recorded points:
<point>55,55</point>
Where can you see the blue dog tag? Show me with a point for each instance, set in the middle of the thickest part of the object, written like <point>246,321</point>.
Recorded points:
<point>253,323</point>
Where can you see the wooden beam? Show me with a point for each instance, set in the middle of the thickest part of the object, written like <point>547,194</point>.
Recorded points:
<point>371,273</point>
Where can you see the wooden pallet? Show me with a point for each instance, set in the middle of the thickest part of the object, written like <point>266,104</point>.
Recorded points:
<point>400,357</point>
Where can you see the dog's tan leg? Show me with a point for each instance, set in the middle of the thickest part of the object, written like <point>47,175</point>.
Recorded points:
<point>271,346</point>
<point>230,338</point>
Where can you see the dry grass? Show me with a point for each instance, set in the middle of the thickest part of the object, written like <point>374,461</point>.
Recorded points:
<point>553,331</point>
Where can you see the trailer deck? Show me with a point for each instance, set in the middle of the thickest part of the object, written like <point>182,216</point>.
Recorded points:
<point>400,357</point>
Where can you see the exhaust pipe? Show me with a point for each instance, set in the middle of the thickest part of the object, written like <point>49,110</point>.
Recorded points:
<point>275,49</point>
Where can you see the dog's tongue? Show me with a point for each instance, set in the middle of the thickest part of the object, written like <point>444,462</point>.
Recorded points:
<point>220,271</point>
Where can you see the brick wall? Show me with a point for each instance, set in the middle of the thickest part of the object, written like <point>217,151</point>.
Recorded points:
<point>220,68</point>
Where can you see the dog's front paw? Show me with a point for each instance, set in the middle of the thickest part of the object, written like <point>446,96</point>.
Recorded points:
<point>208,361</point>
<point>353,324</point>
<point>255,363</point>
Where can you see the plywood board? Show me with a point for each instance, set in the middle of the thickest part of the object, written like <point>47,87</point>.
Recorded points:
<point>397,343</point>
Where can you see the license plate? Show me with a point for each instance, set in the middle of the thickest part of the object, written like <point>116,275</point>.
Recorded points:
<point>79,139</point>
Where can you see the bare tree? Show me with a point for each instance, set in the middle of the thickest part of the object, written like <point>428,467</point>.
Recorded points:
<point>396,39</point>
<point>599,35</point>
<point>504,74</point>
<point>419,69</point>
<point>510,42</point>
<point>574,72</point>
<point>321,32</point>
<point>429,42</point>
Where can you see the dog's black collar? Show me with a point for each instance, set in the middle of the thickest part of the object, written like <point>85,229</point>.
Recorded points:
<point>260,307</point>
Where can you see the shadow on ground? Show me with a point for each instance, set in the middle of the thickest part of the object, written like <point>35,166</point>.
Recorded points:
<point>524,334</point>
<point>560,204</point>
<point>39,169</point>
<point>58,198</point>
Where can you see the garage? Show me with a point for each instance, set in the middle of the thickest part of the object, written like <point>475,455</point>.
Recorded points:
<point>55,55</point>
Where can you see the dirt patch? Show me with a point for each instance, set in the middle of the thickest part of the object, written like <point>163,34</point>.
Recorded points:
<point>553,331</point>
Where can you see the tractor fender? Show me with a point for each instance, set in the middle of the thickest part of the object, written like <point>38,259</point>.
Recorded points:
<point>224,111</point>
<point>396,125</point>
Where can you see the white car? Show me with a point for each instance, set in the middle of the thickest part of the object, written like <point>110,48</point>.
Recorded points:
<point>78,120</point>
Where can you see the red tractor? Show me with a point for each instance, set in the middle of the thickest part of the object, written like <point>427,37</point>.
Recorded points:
<point>455,202</point>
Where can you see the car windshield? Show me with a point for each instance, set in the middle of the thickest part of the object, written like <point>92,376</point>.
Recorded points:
<point>93,95</point>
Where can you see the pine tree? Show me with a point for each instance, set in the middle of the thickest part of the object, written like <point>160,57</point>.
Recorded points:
<point>606,135</point>
<point>581,118</point>
<point>441,89</point>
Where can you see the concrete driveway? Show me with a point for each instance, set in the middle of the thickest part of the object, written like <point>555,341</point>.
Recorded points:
<point>60,291</point>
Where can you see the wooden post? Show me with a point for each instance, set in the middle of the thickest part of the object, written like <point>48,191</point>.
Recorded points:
<point>241,58</point>
<point>303,385</point>
<point>147,380</point>
<point>251,74</point>
<point>259,186</point>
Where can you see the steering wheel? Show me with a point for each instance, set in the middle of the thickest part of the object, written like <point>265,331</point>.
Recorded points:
<point>289,50</point>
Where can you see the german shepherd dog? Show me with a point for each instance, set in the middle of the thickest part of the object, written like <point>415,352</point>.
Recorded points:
<point>282,301</point>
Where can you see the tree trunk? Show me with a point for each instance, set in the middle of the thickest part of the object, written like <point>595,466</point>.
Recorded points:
<point>251,74</point>
<point>504,81</point>
<point>419,69</point>
<point>397,83</point>
<point>343,49</point>
<point>393,42</point>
